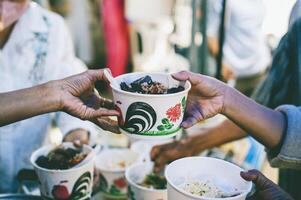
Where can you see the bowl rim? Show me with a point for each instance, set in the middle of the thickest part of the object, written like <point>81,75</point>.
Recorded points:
<point>34,156</point>
<point>127,176</point>
<point>149,95</point>
<point>115,150</point>
<point>204,198</point>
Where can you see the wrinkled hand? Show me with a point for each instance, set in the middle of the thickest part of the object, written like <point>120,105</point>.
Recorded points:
<point>79,98</point>
<point>265,188</point>
<point>166,153</point>
<point>206,97</point>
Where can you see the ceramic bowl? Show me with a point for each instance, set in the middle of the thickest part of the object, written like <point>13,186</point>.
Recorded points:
<point>150,116</point>
<point>74,183</point>
<point>136,174</point>
<point>112,164</point>
<point>223,174</point>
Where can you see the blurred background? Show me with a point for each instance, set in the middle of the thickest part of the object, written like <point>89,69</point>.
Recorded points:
<point>173,35</point>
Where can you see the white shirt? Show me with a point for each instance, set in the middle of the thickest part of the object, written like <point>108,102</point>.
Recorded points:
<point>244,47</point>
<point>39,49</point>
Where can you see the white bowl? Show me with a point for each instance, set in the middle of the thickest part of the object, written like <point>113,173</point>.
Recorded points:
<point>74,183</point>
<point>136,174</point>
<point>112,179</point>
<point>224,174</point>
<point>150,116</point>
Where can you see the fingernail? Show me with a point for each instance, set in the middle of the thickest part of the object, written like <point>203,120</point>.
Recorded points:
<point>184,125</point>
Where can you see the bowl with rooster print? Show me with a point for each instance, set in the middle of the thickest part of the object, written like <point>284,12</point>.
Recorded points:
<point>151,105</point>
<point>112,163</point>
<point>58,182</point>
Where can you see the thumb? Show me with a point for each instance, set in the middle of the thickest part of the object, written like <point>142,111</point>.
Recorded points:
<point>186,75</point>
<point>257,178</point>
<point>77,143</point>
<point>96,75</point>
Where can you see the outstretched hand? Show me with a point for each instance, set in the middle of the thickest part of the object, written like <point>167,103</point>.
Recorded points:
<point>79,98</point>
<point>206,97</point>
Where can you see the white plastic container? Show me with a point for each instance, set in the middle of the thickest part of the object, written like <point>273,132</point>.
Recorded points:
<point>74,183</point>
<point>223,174</point>
<point>112,178</point>
<point>150,116</point>
<point>136,174</point>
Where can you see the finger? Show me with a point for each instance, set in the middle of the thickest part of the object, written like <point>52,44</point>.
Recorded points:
<point>105,78</point>
<point>104,112</point>
<point>96,75</point>
<point>107,103</point>
<point>77,143</point>
<point>155,152</point>
<point>189,122</point>
<point>186,75</point>
<point>257,178</point>
<point>107,124</point>
<point>159,164</point>
<point>96,101</point>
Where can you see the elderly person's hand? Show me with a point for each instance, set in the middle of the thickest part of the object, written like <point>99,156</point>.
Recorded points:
<point>265,188</point>
<point>206,97</point>
<point>79,98</point>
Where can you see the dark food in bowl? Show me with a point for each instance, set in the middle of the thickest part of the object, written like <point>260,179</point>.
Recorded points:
<point>61,158</point>
<point>146,85</point>
<point>154,181</point>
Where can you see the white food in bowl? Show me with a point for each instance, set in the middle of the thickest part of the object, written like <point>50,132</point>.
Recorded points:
<point>118,164</point>
<point>203,188</point>
<point>225,175</point>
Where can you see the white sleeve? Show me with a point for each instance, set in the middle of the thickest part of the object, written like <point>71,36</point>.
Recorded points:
<point>67,63</point>
<point>213,18</point>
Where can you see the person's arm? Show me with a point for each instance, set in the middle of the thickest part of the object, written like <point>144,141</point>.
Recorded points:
<point>29,102</point>
<point>74,95</point>
<point>213,46</point>
<point>209,96</point>
<point>264,124</point>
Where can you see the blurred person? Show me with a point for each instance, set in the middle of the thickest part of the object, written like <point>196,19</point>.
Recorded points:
<point>61,7</point>
<point>290,179</point>
<point>281,86</point>
<point>77,15</point>
<point>245,53</point>
<point>116,35</point>
<point>35,48</point>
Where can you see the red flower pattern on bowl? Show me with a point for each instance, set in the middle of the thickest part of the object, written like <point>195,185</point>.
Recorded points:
<point>174,113</point>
